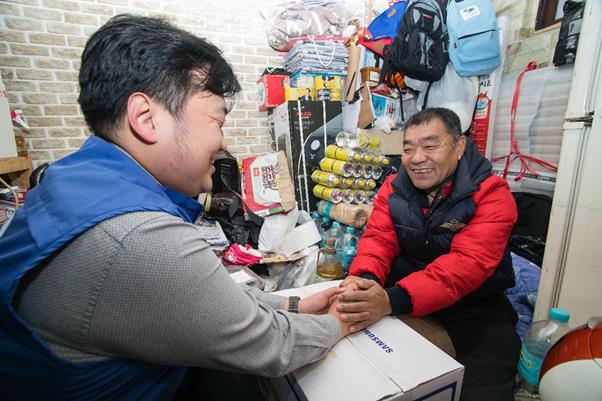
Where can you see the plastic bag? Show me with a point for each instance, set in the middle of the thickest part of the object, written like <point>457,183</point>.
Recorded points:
<point>301,18</point>
<point>300,272</point>
<point>274,228</point>
<point>456,93</point>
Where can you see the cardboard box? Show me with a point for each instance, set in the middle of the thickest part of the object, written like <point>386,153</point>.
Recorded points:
<point>387,361</point>
<point>292,137</point>
<point>270,90</point>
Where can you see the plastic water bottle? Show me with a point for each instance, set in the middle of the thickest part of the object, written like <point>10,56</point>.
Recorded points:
<point>336,232</point>
<point>317,219</point>
<point>323,228</point>
<point>349,249</point>
<point>538,340</point>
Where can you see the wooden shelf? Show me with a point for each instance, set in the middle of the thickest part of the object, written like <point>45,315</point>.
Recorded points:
<point>18,168</point>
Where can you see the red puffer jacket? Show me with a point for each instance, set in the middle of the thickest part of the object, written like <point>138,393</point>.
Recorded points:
<point>475,251</point>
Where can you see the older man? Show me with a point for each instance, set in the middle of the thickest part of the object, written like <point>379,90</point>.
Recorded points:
<point>107,290</point>
<point>437,244</point>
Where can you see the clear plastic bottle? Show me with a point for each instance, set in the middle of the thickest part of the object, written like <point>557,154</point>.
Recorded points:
<point>336,232</point>
<point>315,216</point>
<point>324,227</point>
<point>349,249</point>
<point>538,340</point>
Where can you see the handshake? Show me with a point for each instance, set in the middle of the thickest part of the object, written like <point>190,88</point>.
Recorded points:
<point>356,303</point>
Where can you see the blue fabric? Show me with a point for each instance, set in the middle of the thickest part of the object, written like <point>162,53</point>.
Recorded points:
<point>524,294</point>
<point>386,25</point>
<point>97,182</point>
<point>474,39</point>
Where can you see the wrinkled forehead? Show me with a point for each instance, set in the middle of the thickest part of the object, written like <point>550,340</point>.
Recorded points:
<point>428,132</point>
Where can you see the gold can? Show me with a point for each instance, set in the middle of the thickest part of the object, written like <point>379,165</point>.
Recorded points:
<point>368,168</point>
<point>359,196</point>
<point>370,184</point>
<point>339,153</point>
<point>325,178</point>
<point>328,194</point>
<point>346,182</point>
<point>347,196</point>
<point>338,167</point>
<point>383,160</point>
<point>357,170</point>
<point>367,157</point>
<point>359,183</point>
<point>377,172</point>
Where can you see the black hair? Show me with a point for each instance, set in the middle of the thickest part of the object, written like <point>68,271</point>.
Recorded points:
<point>450,120</point>
<point>141,54</point>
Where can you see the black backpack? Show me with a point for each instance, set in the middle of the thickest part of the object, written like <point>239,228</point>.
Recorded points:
<point>568,38</point>
<point>226,203</point>
<point>419,49</point>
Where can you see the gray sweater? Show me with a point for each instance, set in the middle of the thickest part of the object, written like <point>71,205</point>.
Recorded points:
<point>145,286</point>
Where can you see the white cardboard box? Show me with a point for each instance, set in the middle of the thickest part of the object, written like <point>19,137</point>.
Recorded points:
<point>387,361</point>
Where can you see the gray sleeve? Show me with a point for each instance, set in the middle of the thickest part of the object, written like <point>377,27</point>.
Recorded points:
<point>167,299</point>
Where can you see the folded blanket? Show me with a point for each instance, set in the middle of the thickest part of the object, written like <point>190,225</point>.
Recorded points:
<point>524,294</point>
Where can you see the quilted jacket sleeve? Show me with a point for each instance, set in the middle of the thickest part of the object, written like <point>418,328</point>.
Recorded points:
<point>475,253</point>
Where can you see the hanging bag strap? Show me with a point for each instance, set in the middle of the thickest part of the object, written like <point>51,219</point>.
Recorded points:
<point>515,152</point>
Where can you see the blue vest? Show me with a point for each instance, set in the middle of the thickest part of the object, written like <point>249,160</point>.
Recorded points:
<point>97,182</point>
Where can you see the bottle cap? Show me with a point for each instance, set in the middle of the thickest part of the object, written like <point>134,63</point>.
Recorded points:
<point>559,314</point>
<point>351,230</point>
<point>314,214</point>
<point>336,224</point>
<point>326,219</point>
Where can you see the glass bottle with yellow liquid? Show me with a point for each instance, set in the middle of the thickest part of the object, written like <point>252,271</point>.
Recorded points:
<point>328,266</point>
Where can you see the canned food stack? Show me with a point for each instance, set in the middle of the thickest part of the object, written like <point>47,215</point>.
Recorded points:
<point>350,170</point>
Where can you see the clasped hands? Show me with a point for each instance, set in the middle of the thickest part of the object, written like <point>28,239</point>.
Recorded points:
<point>356,303</point>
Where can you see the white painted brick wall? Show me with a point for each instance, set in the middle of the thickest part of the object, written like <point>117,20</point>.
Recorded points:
<point>41,43</point>
<point>524,42</point>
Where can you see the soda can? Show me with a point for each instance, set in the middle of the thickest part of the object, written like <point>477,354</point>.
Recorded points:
<point>338,167</point>
<point>340,153</point>
<point>357,170</point>
<point>368,169</point>
<point>325,178</point>
<point>348,196</point>
<point>328,194</point>
<point>377,172</point>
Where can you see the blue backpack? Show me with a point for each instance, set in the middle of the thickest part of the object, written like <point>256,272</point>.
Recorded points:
<point>386,24</point>
<point>474,39</point>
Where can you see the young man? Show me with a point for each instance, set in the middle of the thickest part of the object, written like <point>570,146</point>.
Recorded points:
<point>107,290</point>
<point>436,244</point>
